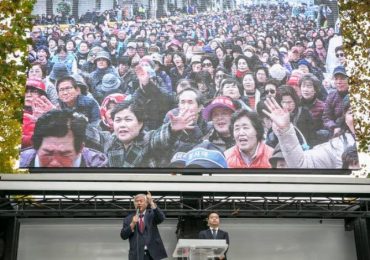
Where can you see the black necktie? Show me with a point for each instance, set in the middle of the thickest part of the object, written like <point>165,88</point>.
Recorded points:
<point>214,233</point>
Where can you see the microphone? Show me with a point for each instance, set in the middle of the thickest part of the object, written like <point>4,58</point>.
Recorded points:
<point>137,212</point>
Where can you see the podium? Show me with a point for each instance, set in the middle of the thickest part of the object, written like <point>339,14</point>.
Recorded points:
<point>200,249</point>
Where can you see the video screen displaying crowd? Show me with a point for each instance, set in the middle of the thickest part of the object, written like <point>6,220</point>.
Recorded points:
<point>257,87</point>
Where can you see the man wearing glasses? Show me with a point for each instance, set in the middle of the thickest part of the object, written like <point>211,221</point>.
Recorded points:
<point>70,97</point>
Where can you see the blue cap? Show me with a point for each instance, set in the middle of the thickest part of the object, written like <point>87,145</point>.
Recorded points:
<point>340,70</point>
<point>203,158</point>
<point>178,160</point>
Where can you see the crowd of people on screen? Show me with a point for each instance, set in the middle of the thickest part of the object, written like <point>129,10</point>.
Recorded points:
<point>250,88</point>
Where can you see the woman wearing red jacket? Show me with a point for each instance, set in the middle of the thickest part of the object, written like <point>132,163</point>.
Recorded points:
<point>249,150</point>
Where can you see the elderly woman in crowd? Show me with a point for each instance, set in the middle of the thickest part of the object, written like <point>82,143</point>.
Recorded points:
<point>310,89</point>
<point>249,150</point>
<point>130,146</point>
<point>107,106</point>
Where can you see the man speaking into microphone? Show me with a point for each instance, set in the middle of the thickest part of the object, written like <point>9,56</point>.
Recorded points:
<point>141,229</point>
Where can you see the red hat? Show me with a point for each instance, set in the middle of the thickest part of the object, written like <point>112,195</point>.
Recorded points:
<point>221,101</point>
<point>293,80</point>
<point>115,98</point>
<point>37,84</point>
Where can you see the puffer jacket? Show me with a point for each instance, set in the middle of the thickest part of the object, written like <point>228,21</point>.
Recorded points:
<point>333,109</point>
<point>324,156</point>
<point>261,160</point>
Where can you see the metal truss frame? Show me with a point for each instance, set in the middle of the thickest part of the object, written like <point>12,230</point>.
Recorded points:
<point>112,205</point>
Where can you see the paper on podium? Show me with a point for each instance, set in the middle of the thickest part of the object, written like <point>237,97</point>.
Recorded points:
<point>200,248</point>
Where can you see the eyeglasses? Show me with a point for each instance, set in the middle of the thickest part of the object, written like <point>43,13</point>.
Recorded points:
<point>67,89</point>
<point>271,91</point>
<point>220,76</point>
<point>340,54</point>
<point>206,64</point>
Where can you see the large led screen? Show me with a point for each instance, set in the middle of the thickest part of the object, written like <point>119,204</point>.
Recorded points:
<point>187,84</point>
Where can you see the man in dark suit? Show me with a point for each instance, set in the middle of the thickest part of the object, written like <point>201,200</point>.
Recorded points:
<point>141,229</point>
<point>214,232</point>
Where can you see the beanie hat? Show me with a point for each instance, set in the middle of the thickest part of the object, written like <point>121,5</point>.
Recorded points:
<point>59,71</point>
<point>277,72</point>
<point>110,82</point>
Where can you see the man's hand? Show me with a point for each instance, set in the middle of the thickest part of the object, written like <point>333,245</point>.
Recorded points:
<point>150,200</point>
<point>279,116</point>
<point>134,221</point>
<point>184,121</point>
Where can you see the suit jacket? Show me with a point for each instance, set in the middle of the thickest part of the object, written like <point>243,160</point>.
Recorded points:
<point>207,234</point>
<point>150,237</point>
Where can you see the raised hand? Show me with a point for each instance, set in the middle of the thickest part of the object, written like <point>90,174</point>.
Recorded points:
<point>142,75</point>
<point>280,117</point>
<point>150,200</point>
<point>149,197</point>
<point>41,105</point>
<point>184,121</point>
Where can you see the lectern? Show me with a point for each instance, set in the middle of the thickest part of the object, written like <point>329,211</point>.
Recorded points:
<point>200,249</point>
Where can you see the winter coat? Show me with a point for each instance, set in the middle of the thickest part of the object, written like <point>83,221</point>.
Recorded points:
<point>333,109</point>
<point>86,106</point>
<point>89,158</point>
<point>260,160</point>
<point>28,127</point>
<point>176,76</point>
<point>324,156</point>
<point>166,80</point>
<point>142,151</point>
<point>303,123</point>
<point>220,142</point>
<point>81,59</point>
<point>316,108</point>
<point>186,140</point>
<point>130,82</point>
<point>156,102</point>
